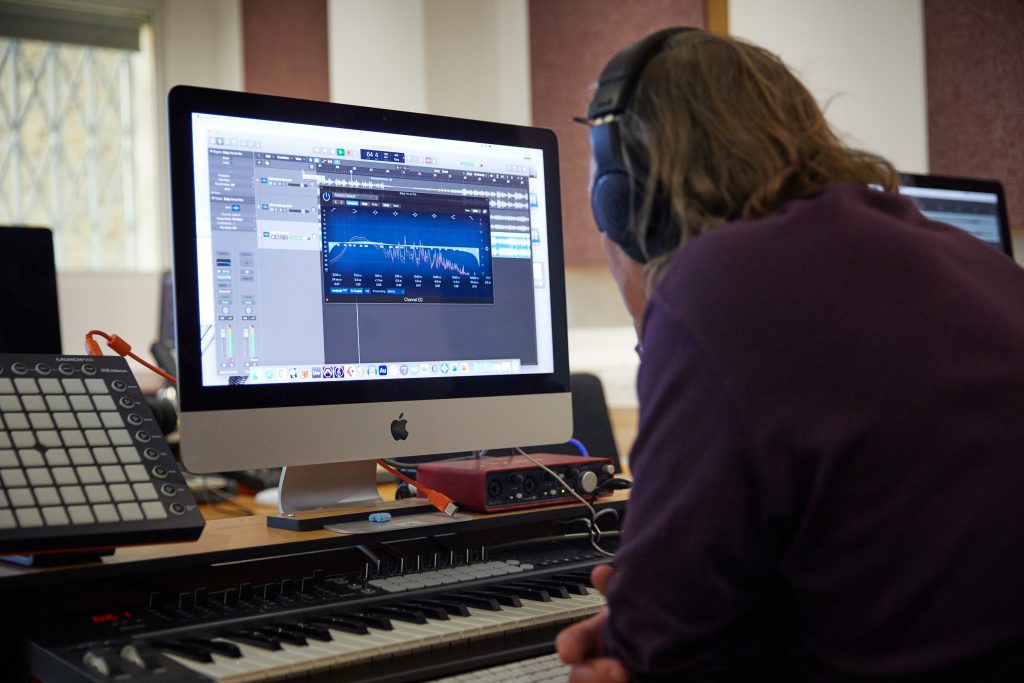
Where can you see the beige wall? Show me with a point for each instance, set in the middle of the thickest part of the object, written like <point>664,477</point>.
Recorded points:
<point>374,67</point>
<point>477,59</point>
<point>465,58</point>
<point>863,60</point>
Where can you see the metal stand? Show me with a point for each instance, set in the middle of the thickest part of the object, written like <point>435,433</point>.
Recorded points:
<point>314,487</point>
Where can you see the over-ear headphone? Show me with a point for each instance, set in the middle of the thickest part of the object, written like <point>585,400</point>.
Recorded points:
<point>615,192</point>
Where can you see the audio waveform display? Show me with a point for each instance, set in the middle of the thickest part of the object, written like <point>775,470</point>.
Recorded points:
<point>405,248</point>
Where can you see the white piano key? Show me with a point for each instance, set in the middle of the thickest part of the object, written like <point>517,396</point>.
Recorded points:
<point>265,662</point>
<point>257,664</point>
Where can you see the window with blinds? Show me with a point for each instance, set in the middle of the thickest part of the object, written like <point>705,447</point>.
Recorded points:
<point>77,132</point>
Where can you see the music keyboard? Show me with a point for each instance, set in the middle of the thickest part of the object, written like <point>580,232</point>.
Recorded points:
<point>407,626</point>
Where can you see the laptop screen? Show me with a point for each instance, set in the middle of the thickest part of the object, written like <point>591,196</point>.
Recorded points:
<point>974,206</point>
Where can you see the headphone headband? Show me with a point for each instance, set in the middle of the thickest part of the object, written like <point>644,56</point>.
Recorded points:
<point>614,193</point>
<point>620,76</point>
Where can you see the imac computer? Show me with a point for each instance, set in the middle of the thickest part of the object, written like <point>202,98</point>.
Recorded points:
<point>354,283</point>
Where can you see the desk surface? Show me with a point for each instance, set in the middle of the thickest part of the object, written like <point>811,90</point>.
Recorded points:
<point>240,539</point>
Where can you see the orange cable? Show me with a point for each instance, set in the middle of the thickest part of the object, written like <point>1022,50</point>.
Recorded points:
<point>122,348</point>
<point>436,498</point>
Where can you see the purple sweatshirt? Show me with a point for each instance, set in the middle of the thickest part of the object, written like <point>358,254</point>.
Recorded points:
<point>829,473</point>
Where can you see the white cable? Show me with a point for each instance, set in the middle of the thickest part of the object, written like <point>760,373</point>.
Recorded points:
<point>592,522</point>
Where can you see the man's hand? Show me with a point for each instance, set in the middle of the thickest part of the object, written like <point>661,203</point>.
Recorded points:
<point>580,644</point>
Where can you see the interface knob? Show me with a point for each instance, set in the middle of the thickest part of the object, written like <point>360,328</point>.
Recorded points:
<point>588,482</point>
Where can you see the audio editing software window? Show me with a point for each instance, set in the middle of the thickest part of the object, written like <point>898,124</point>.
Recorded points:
<point>976,213</point>
<point>332,252</point>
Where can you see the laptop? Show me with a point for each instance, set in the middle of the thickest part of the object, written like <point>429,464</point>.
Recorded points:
<point>975,206</point>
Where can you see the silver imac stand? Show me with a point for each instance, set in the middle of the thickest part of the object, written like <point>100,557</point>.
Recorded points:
<point>313,487</point>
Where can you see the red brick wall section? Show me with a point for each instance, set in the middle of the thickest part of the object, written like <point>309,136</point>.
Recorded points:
<point>285,46</point>
<point>570,42</point>
<point>975,66</point>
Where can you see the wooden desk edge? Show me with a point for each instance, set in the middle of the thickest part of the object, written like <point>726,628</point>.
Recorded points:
<point>222,536</point>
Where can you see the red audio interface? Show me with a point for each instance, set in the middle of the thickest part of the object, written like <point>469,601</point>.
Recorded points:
<point>506,483</point>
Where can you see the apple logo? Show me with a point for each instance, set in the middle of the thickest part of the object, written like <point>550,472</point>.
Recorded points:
<point>399,432</point>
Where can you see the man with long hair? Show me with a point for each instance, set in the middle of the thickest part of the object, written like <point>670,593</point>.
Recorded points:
<point>829,466</point>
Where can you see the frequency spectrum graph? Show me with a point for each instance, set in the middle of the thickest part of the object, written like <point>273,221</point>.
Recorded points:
<point>406,249</point>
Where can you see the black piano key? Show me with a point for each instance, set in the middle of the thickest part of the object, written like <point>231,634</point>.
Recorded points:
<point>473,600</point>
<point>431,610</point>
<point>373,620</point>
<point>193,652</point>
<point>284,634</point>
<point>254,638</point>
<point>451,606</point>
<point>312,631</point>
<point>413,616</point>
<point>342,624</point>
<point>220,647</point>
<point>538,595</point>
<point>571,584</point>
<point>506,598</point>
<point>553,588</point>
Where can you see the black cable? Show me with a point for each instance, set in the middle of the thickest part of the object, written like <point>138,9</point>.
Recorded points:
<point>613,484</point>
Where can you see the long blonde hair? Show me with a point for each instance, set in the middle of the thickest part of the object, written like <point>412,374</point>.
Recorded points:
<point>722,130</point>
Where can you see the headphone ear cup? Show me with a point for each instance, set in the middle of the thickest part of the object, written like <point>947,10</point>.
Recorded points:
<point>614,191</point>
<point>611,200</point>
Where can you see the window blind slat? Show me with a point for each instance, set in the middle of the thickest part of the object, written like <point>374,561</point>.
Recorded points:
<point>60,25</point>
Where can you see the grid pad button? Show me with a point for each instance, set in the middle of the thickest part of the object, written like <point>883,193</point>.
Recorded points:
<point>81,514</point>
<point>50,385</point>
<point>26,385</point>
<point>104,403</point>
<point>130,512</point>
<point>73,385</point>
<point>55,516</point>
<point>29,517</point>
<point>145,491</point>
<point>65,421</point>
<point>154,510</point>
<point>104,455</point>
<point>58,403</point>
<point>80,403</point>
<point>33,404</point>
<point>105,513</point>
<point>21,498</point>
<point>23,439</point>
<point>72,495</point>
<point>47,495</point>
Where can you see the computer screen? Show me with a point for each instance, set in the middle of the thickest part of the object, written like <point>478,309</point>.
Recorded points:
<point>975,206</point>
<point>29,317</point>
<point>356,283</point>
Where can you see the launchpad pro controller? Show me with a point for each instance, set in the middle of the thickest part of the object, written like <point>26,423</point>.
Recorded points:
<point>507,483</point>
<point>83,463</point>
